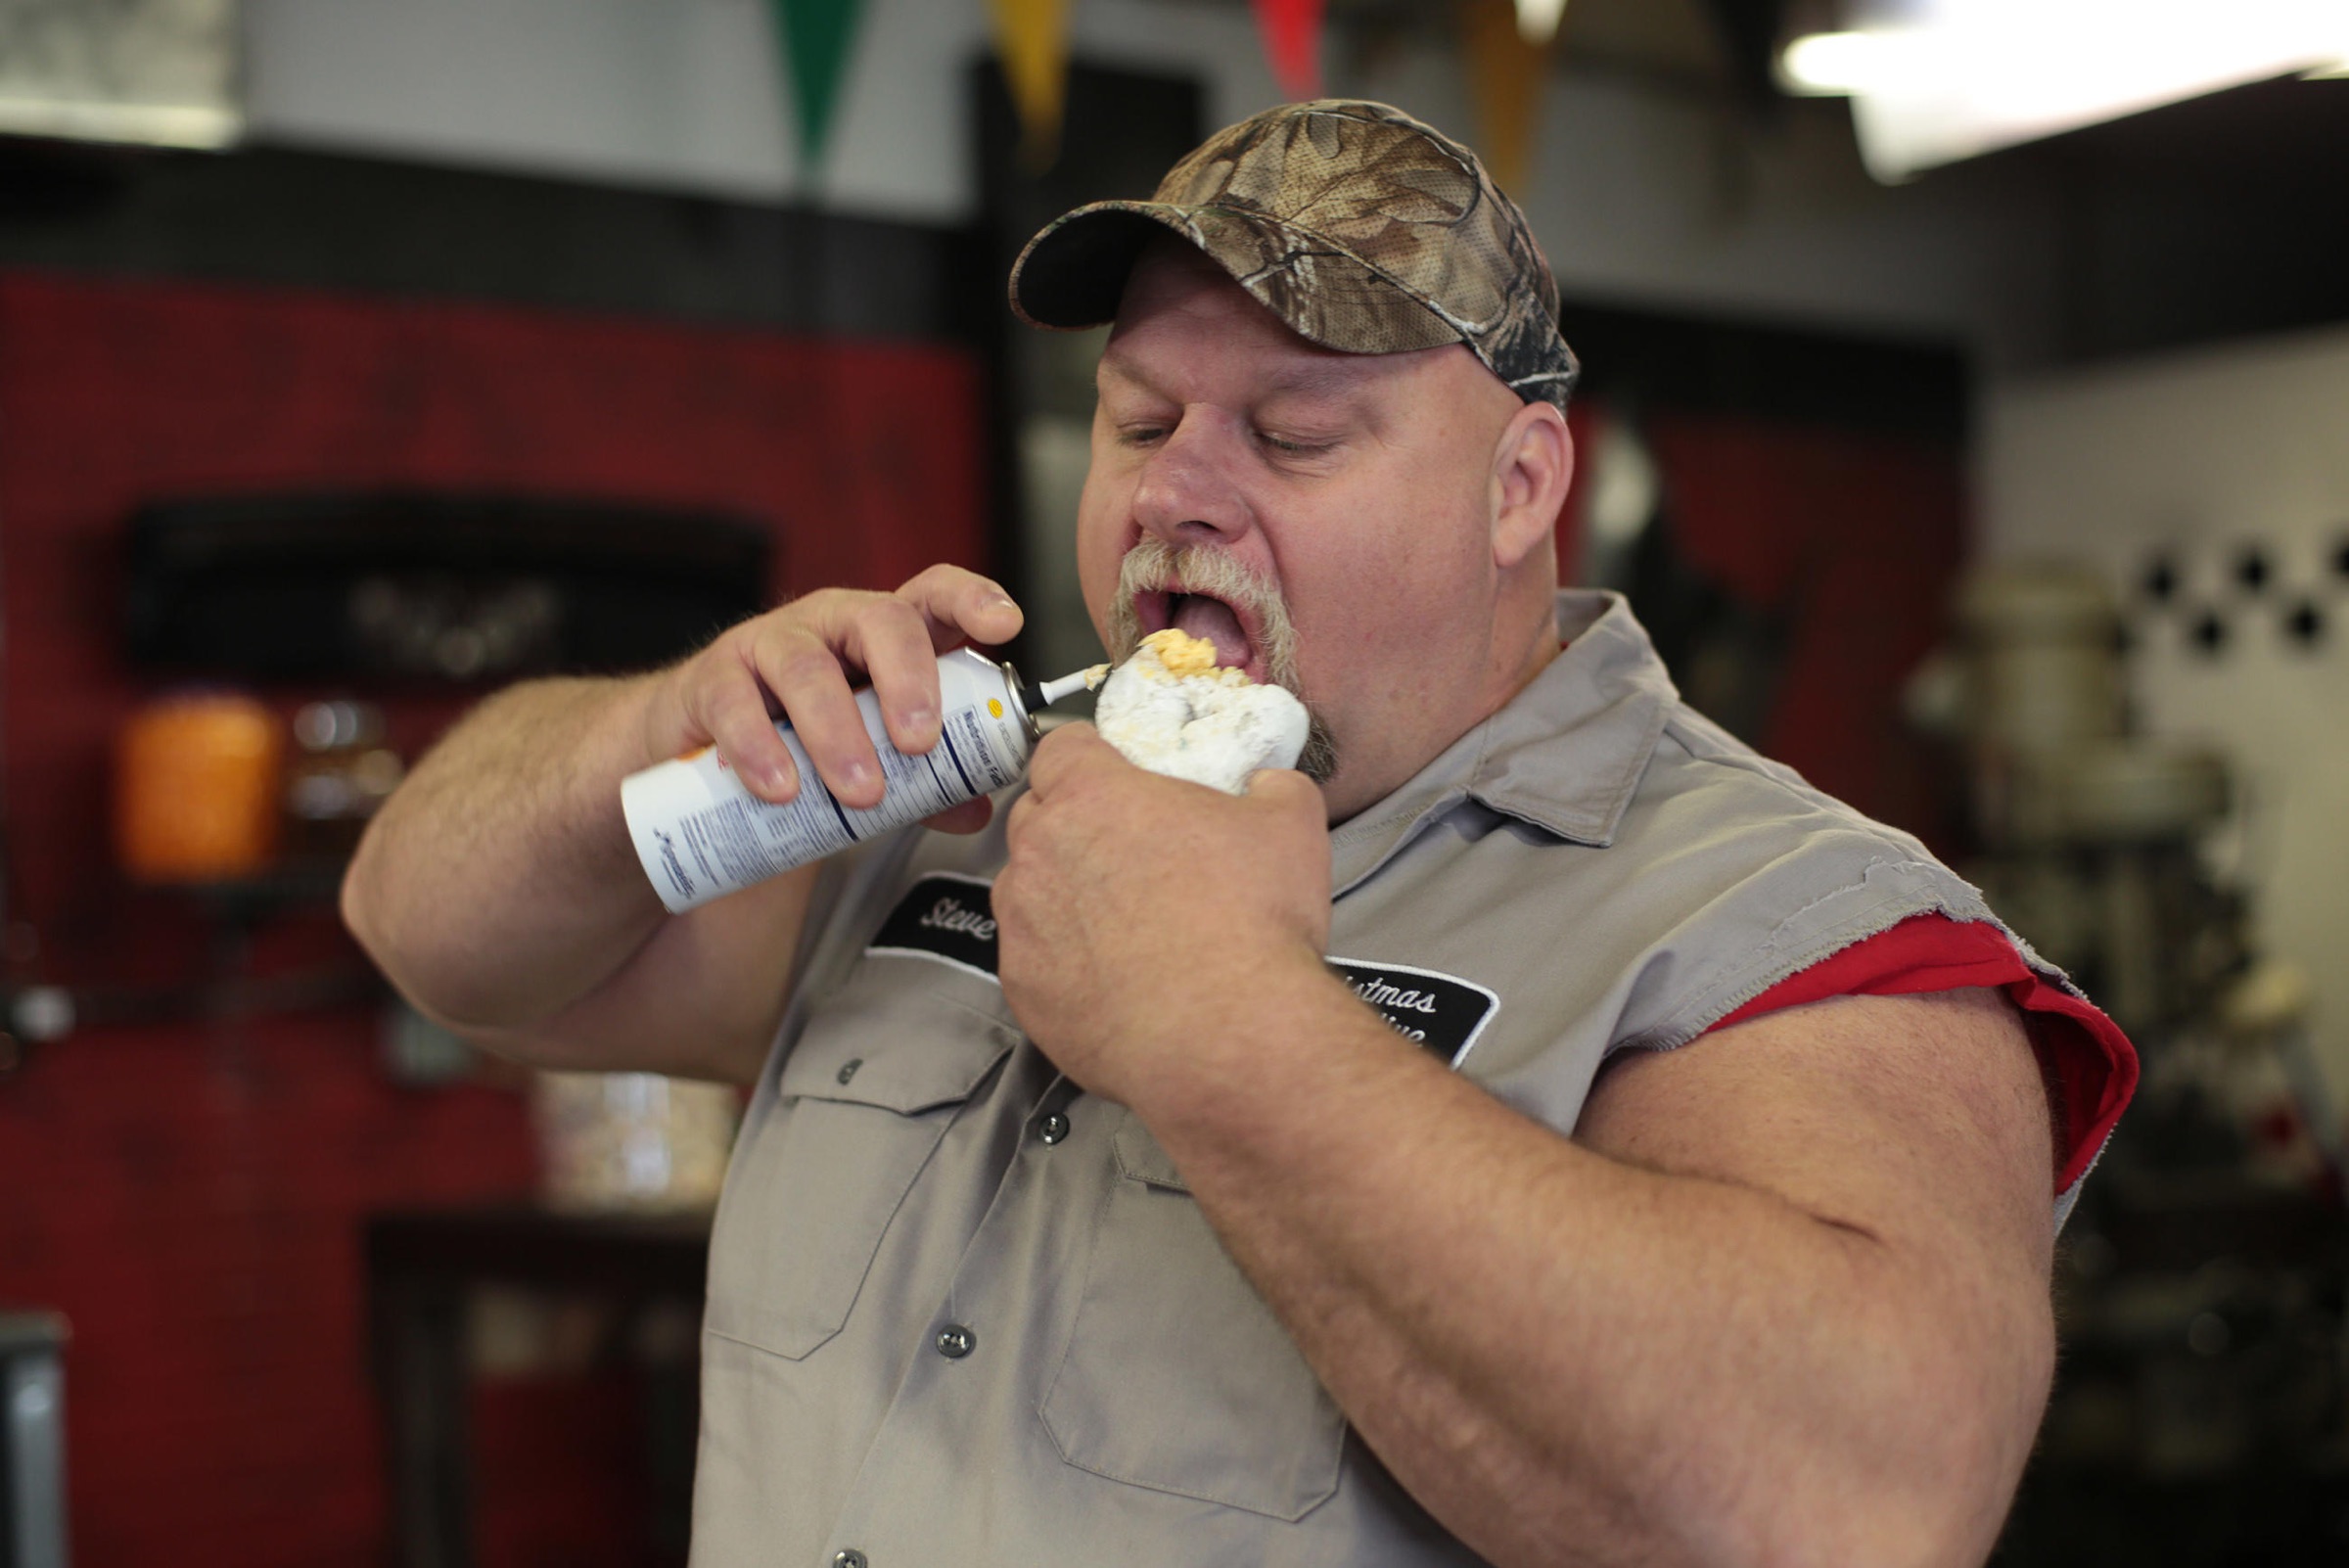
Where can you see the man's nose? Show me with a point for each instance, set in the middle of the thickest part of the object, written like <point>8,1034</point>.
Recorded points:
<point>1187,493</point>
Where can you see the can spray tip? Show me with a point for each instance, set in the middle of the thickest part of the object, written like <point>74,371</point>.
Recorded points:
<point>1045,693</point>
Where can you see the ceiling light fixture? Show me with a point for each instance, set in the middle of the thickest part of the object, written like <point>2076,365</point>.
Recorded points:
<point>159,71</point>
<point>1936,81</point>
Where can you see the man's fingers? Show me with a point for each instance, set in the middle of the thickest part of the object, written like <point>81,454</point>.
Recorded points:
<point>732,713</point>
<point>889,640</point>
<point>962,607</point>
<point>1069,748</point>
<point>801,662</point>
<point>894,639</point>
<point>806,677</point>
<point>1286,789</point>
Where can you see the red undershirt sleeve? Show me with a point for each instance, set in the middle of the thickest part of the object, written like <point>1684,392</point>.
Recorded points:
<point>2088,1064</point>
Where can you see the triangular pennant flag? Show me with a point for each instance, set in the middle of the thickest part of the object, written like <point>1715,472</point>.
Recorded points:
<point>1505,79</point>
<point>1032,36</point>
<point>1292,33</point>
<point>815,35</point>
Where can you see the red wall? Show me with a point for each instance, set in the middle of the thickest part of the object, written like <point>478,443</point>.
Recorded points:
<point>1856,541</point>
<point>189,1192</point>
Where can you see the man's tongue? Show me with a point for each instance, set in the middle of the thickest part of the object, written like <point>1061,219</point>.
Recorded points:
<point>1200,617</point>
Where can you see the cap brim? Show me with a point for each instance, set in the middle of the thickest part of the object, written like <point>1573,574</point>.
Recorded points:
<point>1073,273</point>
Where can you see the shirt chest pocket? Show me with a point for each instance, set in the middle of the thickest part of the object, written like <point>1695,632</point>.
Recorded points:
<point>1177,1376</point>
<point>863,1099</point>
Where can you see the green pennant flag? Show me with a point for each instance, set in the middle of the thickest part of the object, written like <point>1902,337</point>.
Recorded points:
<point>815,35</point>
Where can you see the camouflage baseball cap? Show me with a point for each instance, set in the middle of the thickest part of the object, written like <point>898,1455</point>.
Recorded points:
<point>1361,228</point>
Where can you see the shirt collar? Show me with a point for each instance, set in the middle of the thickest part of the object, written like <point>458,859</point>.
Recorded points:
<point>1564,755</point>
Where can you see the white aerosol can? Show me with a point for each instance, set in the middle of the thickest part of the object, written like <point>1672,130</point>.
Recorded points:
<point>702,834</point>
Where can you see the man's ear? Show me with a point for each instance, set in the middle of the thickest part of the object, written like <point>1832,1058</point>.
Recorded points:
<point>1533,466</point>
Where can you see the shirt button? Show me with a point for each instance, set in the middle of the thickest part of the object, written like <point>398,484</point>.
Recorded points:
<point>954,1341</point>
<point>851,1558</point>
<point>1052,1128</point>
<point>848,1070</point>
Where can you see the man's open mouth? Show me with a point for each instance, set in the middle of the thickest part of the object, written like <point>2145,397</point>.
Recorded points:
<point>1199,615</point>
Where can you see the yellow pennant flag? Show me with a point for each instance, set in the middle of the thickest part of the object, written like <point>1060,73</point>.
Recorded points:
<point>1031,39</point>
<point>1505,79</point>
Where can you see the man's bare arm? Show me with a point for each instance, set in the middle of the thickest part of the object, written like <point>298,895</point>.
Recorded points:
<point>1784,1299</point>
<point>1784,1302</point>
<point>498,887</point>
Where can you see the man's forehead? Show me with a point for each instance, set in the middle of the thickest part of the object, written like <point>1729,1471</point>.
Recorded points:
<point>1304,369</point>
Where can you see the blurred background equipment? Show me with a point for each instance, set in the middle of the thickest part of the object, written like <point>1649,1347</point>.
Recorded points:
<point>2201,1286</point>
<point>2090,836</point>
<point>195,788</point>
<point>413,584</point>
<point>32,1440</point>
<point>340,772</point>
<point>632,1141</point>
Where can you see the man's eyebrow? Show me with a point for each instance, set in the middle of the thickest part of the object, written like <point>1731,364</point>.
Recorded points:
<point>1113,363</point>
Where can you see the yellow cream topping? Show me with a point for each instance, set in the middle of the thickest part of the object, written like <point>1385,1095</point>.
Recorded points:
<point>1181,653</point>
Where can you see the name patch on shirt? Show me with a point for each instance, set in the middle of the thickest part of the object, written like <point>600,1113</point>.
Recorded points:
<point>943,916</point>
<point>952,918</point>
<point>1442,1012</point>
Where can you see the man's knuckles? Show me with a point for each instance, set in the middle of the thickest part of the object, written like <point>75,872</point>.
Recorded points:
<point>885,615</point>
<point>1062,752</point>
<point>1019,824</point>
<point>798,664</point>
<point>821,608</point>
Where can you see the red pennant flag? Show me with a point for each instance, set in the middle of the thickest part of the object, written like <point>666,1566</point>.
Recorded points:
<point>1292,33</point>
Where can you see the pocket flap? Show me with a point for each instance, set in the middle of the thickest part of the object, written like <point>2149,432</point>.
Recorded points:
<point>880,1045</point>
<point>1175,1375</point>
<point>1140,1158</point>
<point>882,1068</point>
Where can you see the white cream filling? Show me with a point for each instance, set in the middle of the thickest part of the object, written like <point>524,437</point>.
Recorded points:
<point>1212,726</point>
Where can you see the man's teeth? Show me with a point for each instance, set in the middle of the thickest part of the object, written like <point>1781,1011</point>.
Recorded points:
<point>1198,616</point>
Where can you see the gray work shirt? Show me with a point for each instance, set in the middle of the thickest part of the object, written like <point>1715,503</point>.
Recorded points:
<point>961,1314</point>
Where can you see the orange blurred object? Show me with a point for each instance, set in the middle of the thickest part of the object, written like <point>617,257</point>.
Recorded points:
<point>195,788</point>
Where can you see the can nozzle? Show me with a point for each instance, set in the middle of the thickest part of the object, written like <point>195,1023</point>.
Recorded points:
<point>1044,694</point>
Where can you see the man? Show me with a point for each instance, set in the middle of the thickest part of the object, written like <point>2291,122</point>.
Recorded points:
<point>1548,1134</point>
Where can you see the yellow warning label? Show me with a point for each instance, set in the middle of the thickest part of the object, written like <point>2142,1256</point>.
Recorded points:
<point>995,708</point>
